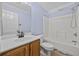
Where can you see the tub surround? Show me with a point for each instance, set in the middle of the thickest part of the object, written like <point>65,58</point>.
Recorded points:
<point>8,44</point>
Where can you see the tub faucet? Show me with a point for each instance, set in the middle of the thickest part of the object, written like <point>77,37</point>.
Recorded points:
<point>74,42</point>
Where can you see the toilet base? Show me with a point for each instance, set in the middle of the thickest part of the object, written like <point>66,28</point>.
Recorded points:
<point>45,52</point>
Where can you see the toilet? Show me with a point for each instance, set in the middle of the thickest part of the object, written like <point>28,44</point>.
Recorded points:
<point>46,45</point>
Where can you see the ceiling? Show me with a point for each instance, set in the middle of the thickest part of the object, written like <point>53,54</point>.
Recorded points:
<point>48,6</point>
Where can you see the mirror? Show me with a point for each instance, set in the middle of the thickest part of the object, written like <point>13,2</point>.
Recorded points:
<point>10,22</point>
<point>12,15</point>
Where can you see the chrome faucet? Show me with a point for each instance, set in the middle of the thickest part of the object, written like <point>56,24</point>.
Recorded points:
<point>74,42</point>
<point>20,34</point>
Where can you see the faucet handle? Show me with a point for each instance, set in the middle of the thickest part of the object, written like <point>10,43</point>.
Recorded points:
<point>75,34</point>
<point>74,41</point>
<point>18,31</point>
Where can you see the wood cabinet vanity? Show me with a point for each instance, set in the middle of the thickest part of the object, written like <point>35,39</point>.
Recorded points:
<point>35,48</point>
<point>30,49</point>
<point>15,52</point>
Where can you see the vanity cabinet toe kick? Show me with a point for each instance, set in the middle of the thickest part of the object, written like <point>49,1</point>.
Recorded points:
<point>30,49</point>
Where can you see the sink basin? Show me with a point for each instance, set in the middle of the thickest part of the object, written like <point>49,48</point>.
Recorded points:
<point>19,40</point>
<point>24,39</point>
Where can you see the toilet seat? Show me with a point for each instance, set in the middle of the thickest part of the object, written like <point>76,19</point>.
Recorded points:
<point>47,46</point>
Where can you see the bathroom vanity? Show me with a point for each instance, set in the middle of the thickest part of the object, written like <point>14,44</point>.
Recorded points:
<point>19,47</point>
<point>16,16</point>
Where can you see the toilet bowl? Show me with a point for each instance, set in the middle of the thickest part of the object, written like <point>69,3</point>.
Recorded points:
<point>46,45</point>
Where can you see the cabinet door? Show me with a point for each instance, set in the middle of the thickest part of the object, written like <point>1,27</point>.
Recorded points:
<point>35,48</point>
<point>27,53</point>
<point>16,52</point>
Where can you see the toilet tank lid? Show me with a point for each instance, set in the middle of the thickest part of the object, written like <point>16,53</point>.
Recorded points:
<point>47,44</point>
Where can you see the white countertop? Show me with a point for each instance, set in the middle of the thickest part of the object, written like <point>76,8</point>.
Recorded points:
<point>15,42</point>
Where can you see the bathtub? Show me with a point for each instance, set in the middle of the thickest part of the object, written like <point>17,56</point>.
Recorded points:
<point>68,48</point>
